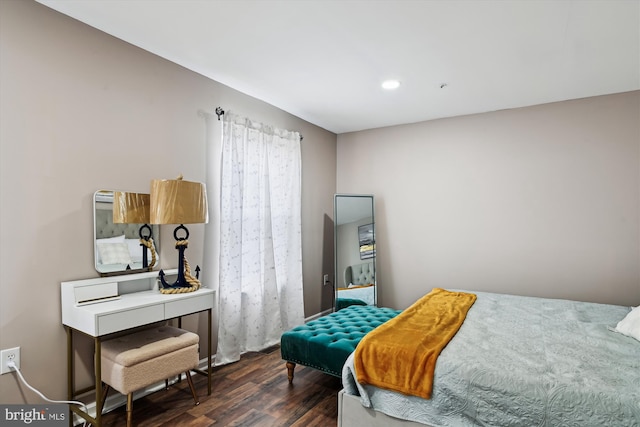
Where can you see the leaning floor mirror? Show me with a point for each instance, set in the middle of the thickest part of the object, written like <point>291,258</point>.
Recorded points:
<point>355,250</point>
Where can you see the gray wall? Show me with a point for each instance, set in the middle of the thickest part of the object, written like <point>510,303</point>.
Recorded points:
<point>541,201</point>
<point>79,111</point>
<point>537,201</point>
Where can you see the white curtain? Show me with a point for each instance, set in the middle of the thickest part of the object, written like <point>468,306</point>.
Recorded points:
<point>260,287</point>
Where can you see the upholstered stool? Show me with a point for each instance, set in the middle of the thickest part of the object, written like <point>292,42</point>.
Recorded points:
<point>134,361</point>
<point>326,343</point>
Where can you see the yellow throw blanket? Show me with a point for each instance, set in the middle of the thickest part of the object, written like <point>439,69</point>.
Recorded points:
<point>400,355</point>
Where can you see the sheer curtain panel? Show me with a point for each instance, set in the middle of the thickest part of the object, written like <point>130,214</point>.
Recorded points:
<point>260,287</point>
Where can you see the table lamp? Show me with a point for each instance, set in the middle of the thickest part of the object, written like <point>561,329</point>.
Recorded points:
<point>181,202</point>
<point>133,208</point>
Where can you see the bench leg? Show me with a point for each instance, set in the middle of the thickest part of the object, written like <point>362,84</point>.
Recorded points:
<point>193,390</point>
<point>290,368</point>
<point>129,409</point>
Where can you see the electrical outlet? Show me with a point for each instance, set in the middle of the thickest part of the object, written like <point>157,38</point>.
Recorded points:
<point>9,355</point>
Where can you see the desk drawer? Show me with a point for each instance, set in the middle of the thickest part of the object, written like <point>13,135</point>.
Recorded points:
<point>187,306</point>
<point>114,322</point>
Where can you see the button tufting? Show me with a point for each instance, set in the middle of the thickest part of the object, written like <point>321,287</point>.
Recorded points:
<point>326,342</point>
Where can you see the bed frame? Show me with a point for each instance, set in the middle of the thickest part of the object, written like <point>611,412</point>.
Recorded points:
<point>351,413</point>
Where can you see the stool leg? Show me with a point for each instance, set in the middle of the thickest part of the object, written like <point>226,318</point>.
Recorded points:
<point>105,390</point>
<point>290,367</point>
<point>193,389</point>
<point>129,409</point>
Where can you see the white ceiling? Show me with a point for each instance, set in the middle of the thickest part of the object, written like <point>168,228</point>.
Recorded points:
<point>324,60</point>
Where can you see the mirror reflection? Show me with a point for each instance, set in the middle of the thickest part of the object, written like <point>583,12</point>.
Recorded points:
<point>355,253</point>
<point>120,245</point>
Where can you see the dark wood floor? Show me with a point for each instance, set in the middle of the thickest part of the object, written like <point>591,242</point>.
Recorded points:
<point>252,392</point>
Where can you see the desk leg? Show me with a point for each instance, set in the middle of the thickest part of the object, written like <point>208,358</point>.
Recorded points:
<point>71,382</point>
<point>70,371</point>
<point>98,374</point>
<point>209,320</point>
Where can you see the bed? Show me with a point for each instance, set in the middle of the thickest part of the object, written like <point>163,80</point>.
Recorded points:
<point>517,361</point>
<point>359,288</point>
<point>117,246</point>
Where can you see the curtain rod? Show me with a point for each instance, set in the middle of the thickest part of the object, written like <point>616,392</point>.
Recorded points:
<point>220,112</point>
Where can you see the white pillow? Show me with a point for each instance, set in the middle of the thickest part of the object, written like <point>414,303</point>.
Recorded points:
<point>114,253</point>
<point>135,250</point>
<point>117,239</point>
<point>630,325</point>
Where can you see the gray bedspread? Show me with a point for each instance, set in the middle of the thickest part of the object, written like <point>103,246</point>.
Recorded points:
<point>523,361</point>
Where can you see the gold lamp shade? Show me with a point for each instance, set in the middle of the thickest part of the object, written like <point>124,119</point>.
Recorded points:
<point>175,201</point>
<point>131,208</point>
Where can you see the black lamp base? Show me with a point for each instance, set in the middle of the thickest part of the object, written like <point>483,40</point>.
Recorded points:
<point>182,284</point>
<point>146,237</point>
<point>181,281</point>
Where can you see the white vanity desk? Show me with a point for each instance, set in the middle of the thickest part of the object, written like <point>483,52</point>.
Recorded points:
<point>86,308</point>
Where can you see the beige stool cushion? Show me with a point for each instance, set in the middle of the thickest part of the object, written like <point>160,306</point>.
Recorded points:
<point>132,362</point>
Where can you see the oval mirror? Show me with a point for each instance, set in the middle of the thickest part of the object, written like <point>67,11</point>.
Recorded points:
<point>355,251</point>
<point>122,241</point>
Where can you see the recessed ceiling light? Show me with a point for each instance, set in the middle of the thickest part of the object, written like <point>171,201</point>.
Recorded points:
<point>390,84</point>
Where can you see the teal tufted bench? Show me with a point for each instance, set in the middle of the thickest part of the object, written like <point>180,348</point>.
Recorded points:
<point>326,342</point>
